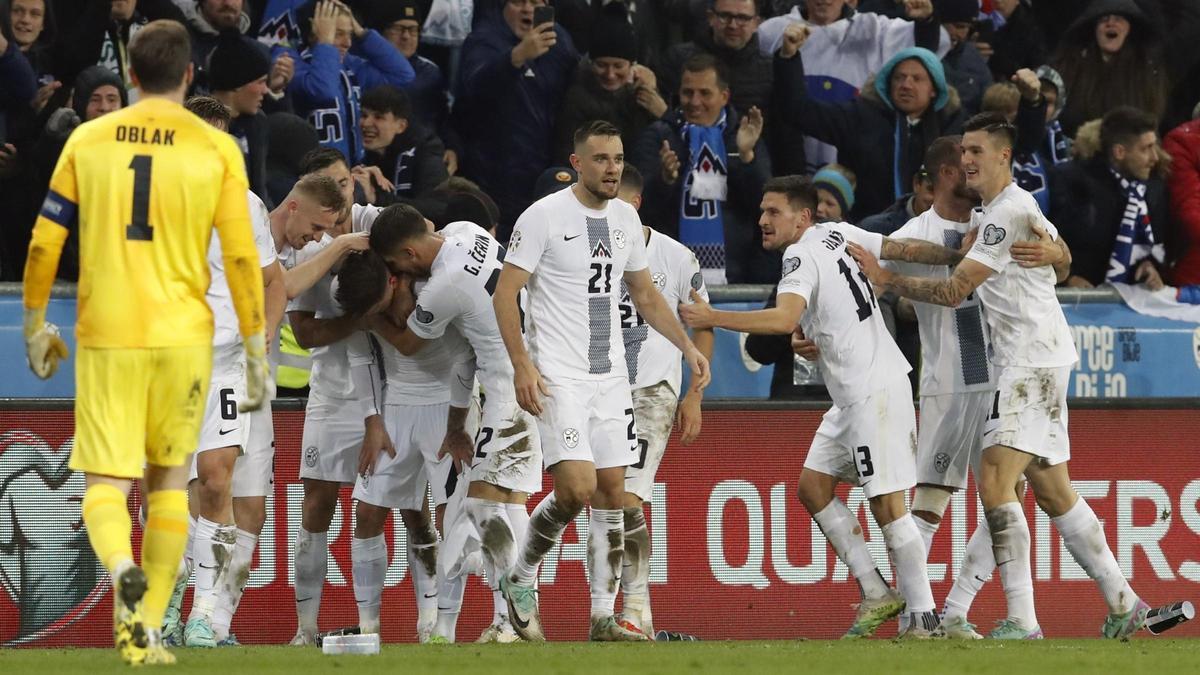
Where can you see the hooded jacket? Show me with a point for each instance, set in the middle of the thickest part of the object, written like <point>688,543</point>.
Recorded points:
<point>1091,80</point>
<point>745,260</point>
<point>879,144</point>
<point>506,115</point>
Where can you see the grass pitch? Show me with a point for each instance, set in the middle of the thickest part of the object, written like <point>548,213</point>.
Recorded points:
<point>1059,657</point>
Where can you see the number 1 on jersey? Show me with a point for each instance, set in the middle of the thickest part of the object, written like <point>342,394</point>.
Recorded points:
<point>864,305</point>
<point>139,229</point>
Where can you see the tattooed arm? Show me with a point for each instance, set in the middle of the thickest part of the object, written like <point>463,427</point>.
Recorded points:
<point>948,292</point>
<point>918,251</point>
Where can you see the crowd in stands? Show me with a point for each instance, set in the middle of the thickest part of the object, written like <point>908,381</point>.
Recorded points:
<point>713,97</point>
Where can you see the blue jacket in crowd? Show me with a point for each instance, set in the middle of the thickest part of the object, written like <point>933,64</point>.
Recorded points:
<point>326,89</point>
<point>506,115</point>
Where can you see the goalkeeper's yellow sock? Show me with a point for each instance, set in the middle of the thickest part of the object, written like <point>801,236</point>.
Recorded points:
<point>162,548</point>
<point>106,516</point>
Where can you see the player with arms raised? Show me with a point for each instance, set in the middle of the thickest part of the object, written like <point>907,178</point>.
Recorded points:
<point>868,437</point>
<point>1026,432</point>
<point>568,247</point>
<point>146,185</point>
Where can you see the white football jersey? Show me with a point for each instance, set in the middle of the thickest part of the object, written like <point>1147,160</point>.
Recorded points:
<point>459,294</point>
<point>1027,324</point>
<point>576,257</point>
<point>954,340</point>
<point>330,375</point>
<point>423,378</point>
<point>858,355</point>
<point>225,322</point>
<point>650,358</point>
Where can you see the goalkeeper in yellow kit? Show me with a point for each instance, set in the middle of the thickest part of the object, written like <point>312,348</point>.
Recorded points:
<point>145,186</point>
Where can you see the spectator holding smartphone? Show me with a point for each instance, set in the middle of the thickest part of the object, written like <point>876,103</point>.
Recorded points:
<point>512,78</point>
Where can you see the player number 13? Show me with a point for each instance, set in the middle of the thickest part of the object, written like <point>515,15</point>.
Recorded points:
<point>139,229</point>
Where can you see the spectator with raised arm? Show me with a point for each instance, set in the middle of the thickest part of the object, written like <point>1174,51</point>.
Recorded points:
<point>344,59</point>
<point>704,168</point>
<point>400,22</point>
<point>1012,38</point>
<point>512,80</point>
<point>610,85</point>
<point>883,134</point>
<point>844,46</point>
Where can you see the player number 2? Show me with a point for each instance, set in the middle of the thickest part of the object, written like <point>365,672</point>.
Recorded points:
<point>601,274</point>
<point>485,435</point>
<point>139,229</point>
<point>864,304</point>
<point>863,458</point>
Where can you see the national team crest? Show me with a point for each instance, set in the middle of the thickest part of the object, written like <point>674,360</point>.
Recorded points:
<point>515,240</point>
<point>47,568</point>
<point>619,238</point>
<point>941,462</point>
<point>571,438</point>
<point>660,280</point>
<point>310,456</point>
<point>697,281</point>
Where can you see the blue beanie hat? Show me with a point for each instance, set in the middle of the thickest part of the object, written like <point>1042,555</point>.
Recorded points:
<point>835,184</point>
<point>932,64</point>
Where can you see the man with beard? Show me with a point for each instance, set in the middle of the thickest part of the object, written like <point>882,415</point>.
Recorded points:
<point>567,247</point>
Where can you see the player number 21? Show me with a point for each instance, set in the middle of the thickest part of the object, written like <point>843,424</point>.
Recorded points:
<point>139,229</point>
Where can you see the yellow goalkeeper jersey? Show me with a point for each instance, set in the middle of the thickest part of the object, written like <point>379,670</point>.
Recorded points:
<point>146,185</point>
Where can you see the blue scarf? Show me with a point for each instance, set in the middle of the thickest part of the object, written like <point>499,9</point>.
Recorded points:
<point>1058,142</point>
<point>705,189</point>
<point>1135,238</point>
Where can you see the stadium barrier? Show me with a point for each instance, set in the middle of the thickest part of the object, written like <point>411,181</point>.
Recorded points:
<point>1123,354</point>
<point>735,555</point>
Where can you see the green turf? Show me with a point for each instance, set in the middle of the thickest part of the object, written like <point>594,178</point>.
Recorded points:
<point>1059,657</point>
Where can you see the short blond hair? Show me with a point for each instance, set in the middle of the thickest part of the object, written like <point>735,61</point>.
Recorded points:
<point>1001,97</point>
<point>321,189</point>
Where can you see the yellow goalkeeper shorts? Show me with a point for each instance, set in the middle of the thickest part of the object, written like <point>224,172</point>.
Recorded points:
<point>138,406</point>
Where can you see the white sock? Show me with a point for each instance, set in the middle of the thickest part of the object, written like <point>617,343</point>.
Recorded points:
<point>908,557</point>
<point>369,563</point>
<point>1010,544</point>
<point>450,599</point>
<point>422,563</point>
<point>312,555</point>
<point>1084,536</point>
<point>844,533</point>
<point>635,572</point>
<point>214,552</point>
<point>518,520</point>
<point>546,525</point>
<point>606,551</point>
<point>230,592</point>
<point>495,534</point>
<point>927,530</point>
<point>978,563</point>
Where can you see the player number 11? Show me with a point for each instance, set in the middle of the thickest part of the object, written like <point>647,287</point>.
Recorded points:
<point>139,229</point>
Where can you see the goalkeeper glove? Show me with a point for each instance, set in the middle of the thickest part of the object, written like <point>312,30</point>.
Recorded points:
<point>43,347</point>
<point>257,372</point>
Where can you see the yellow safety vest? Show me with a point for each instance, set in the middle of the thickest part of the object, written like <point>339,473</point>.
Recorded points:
<point>295,362</point>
